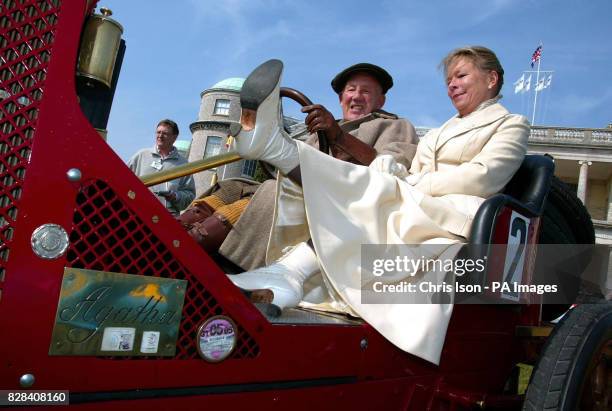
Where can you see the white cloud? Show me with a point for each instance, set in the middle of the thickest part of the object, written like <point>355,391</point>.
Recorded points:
<point>486,10</point>
<point>248,40</point>
<point>240,24</point>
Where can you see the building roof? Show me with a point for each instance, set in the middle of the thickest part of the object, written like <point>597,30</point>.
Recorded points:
<point>232,83</point>
<point>182,144</point>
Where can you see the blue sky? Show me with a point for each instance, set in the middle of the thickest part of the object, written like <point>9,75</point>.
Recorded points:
<point>177,49</point>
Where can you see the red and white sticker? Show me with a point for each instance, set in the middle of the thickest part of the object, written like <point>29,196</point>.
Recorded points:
<point>217,338</point>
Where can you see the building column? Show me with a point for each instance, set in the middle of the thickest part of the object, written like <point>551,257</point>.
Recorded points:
<point>582,179</point>
<point>609,219</point>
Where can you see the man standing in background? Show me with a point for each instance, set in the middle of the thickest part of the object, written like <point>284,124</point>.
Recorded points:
<point>176,194</point>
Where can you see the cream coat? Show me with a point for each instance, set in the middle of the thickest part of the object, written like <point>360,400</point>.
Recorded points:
<point>455,168</point>
<point>246,244</point>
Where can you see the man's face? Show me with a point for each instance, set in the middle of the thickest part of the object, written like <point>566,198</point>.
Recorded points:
<point>164,138</point>
<point>361,95</point>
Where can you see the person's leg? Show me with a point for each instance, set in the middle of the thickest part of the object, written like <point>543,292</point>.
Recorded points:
<point>261,135</point>
<point>199,210</point>
<point>227,192</point>
<point>211,232</point>
<point>285,278</point>
<point>246,244</point>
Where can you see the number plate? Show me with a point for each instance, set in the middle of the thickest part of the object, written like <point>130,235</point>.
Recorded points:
<point>102,313</point>
<point>515,255</point>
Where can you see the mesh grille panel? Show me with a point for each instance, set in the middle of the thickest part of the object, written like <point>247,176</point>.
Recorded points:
<point>108,236</point>
<point>26,36</point>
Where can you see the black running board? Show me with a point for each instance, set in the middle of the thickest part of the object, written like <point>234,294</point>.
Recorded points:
<point>88,397</point>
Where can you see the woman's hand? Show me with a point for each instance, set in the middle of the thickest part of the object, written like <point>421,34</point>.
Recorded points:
<point>386,164</point>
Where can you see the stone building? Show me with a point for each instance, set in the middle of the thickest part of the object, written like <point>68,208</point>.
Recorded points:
<point>583,160</point>
<point>183,147</point>
<point>220,105</point>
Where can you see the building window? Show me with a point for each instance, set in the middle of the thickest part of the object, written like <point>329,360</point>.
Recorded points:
<point>248,168</point>
<point>222,107</point>
<point>213,146</point>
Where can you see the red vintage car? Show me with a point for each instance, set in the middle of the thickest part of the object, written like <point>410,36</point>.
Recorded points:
<point>72,214</point>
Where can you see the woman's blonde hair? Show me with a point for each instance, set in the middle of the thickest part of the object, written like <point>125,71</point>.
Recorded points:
<point>482,57</point>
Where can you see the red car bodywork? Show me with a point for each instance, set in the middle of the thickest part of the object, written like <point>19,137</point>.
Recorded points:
<point>115,224</point>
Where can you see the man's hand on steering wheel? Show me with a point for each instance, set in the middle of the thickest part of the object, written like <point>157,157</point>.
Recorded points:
<point>320,119</point>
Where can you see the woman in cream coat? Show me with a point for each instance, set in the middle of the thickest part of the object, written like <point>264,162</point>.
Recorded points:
<point>341,206</point>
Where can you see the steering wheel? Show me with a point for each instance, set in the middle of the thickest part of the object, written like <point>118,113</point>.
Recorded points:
<point>301,99</point>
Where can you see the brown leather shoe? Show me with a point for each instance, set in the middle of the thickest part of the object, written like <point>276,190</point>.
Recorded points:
<point>211,232</point>
<point>261,296</point>
<point>194,214</point>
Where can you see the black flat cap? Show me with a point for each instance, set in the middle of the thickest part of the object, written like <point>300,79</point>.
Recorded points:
<point>379,73</point>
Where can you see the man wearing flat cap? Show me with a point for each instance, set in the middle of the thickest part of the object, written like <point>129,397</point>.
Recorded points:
<point>362,90</point>
<point>364,132</point>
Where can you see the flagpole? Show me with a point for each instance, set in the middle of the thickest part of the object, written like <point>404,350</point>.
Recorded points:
<point>535,99</point>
